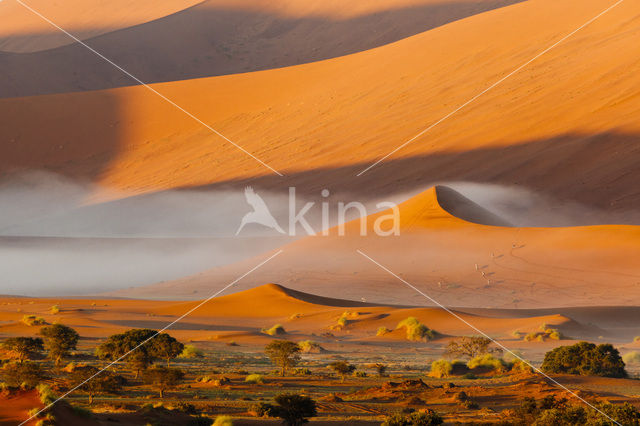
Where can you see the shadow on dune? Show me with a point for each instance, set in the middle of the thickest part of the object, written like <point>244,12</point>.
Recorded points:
<point>588,179</point>
<point>206,40</point>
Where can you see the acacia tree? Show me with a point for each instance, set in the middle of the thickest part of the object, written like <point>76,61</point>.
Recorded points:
<point>294,409</point>
<point>165,347</point>
<point>134,344</point>
<point>470,346</point>
<point>59,340</point>
<point>24,347</point>
<point>381,369</point>
<point>163,378</point>
<point>342,368</point>
<point>94,381</point>
<point>283,354</point>
<point>25,373</point>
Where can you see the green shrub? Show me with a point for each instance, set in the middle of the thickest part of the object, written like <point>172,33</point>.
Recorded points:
<point>32,320</point>
<point>191,351</point>
<point>585,359</point>
<point>308,346</point>
<point>487,361</point>
<point>382,331</point>
<point>631,357</point>
<point>441,368</point>
<point>223,421</point>
<point>416,331</point>
<point>256,379</point>
<point>276,330</point>
<point>422,418</point>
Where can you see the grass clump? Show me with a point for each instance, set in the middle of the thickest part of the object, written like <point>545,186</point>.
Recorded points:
<point>382,331</point>
<point>441,368</point>
<point>255,379</point>
<point>276,330</point>
<point>32,320</point>
<point>416,331</point>
<point>309,346</point>
<point>487,361</point>
<point>631,357</point>
<point>223,421</point>
<point>190,352</point>
<point>55,309</point>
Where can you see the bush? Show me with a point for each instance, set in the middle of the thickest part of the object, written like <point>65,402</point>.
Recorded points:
<point>487,361</point>
<point>631,357</point>
<point>441,368</point>
<point>55,309</point>
<point>276,330</point>
<point>382,331</point>
<point>191,351</point>
<point>423,418</point>
<point>545,334</point>
<point>308,346</point>
<point>223,421</point>
<point>256,379</point>
<point>585,359</point>
<point>416,331</point>
<point>32,320</point>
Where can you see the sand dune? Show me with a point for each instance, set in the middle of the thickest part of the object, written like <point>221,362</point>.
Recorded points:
<point>22,31</point>
<point>214,37</point>
<point>242,315</point>
<point>573,111</point>
<point>438,252</point>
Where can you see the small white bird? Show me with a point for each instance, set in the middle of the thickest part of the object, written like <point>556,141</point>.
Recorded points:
<point>260,213</point>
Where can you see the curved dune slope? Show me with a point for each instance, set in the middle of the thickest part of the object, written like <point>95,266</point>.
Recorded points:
<point>215,37</point>
<point>23,31</point>
<point>458,263</point>
<point>243,314</point>
<point>565,126</point>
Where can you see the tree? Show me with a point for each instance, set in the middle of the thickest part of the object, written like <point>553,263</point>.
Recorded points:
<point>94,382</point>
<point>24,347</point>
<point>283,353</point>
<point>342,368</point>
<point>291,408</point>
<point>470,346</point>
<point>381,369</point>
<point>165,347</point>
<point>25,373</point>
<point>163,378</point>
<point>59,340</point>
<point>135,344</point>
<point>585,358</point>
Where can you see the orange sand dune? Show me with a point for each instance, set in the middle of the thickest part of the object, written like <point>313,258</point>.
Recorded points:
<point>243,314</point>
<point>566,125</point>
<point>23,31</point>
<point>214,37</point>
<point>456,262</point>
<point>14,408</point>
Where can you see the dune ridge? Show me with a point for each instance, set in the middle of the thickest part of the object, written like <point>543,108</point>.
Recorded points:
<point>459,263</point>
